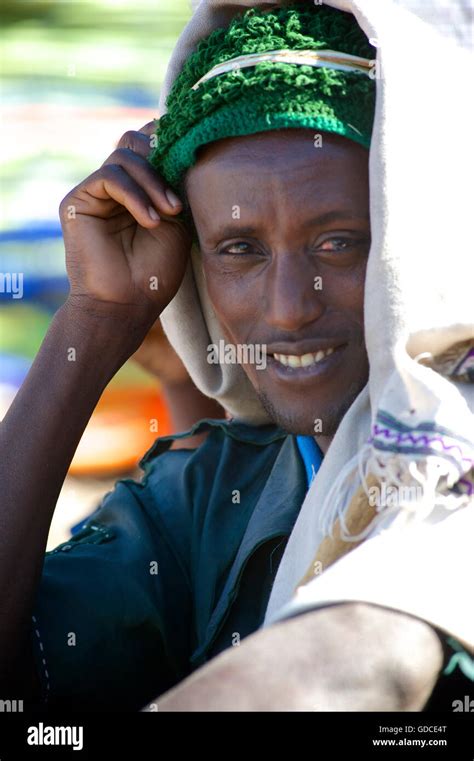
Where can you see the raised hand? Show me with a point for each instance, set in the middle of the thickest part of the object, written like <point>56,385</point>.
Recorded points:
<point>124,243</point>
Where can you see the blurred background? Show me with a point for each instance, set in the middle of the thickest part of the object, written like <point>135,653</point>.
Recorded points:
<point>75,76</point>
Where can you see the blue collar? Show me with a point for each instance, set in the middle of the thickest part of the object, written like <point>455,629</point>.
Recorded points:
<point>311,455</point>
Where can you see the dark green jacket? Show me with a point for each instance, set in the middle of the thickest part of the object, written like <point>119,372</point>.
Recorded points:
<point>172,570</point>
<point>169,571</point>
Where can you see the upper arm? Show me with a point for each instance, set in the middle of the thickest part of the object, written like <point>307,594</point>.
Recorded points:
<point>104,608</point>
<point>347,657</point>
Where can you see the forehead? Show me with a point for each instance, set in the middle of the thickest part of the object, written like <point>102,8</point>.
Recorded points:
<point>289,167</point>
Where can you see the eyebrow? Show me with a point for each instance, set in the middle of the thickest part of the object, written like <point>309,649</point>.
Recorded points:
<point>231,231</point>
<point>335,216</point>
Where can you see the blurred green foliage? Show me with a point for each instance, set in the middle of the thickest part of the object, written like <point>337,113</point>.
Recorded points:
<point>80,65</point>
<point>92,40</point>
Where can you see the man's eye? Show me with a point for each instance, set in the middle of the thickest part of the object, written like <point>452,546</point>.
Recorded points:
<point>339,244</point>
<point>237,248</point>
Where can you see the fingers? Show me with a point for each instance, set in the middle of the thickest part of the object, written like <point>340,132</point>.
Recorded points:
<point>162,197</point>
<point>138,144</point>
<point>139,141</point>
<point>98,195</point>
<point>135,141</point>
<point>150,127</point>
<point>126,178</point>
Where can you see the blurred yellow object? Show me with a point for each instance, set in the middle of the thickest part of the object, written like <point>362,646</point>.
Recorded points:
<point>124,425</point>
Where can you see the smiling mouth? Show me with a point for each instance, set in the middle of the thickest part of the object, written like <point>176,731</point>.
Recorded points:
<point>304,360</point>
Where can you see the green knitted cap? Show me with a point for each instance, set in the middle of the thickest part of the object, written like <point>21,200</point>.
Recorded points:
<point>268,95</point>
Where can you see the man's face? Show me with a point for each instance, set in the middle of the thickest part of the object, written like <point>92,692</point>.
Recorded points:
<point>284,232</point>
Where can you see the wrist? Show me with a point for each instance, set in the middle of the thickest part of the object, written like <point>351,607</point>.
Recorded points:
<point>106,324</point>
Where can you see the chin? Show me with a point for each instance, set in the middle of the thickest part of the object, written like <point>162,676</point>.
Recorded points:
<point>301,420</point>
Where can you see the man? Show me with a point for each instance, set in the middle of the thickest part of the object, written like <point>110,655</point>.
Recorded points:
<point>174,570</point>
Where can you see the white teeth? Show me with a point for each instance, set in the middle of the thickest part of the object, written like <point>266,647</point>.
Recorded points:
<point>306,360</point>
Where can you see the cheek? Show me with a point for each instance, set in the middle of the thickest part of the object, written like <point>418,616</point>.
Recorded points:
<point>344,290</point>
<point>234,298</point>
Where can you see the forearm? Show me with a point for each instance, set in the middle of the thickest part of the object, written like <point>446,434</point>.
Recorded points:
<point>350,657</point>
<point>38,438</point>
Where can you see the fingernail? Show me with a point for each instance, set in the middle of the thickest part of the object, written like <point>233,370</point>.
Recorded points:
<point>172,198</point>
<point>153,214</point>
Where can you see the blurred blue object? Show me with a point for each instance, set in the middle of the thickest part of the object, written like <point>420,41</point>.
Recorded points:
<point>31,232</point>
<point>35,252</point>
<point>13,369</point>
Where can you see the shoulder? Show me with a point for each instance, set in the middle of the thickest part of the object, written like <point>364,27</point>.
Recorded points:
<point>184,476</point>
<point>218,431</point>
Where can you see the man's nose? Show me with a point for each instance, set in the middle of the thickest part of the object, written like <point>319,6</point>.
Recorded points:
<point>293,292</point>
